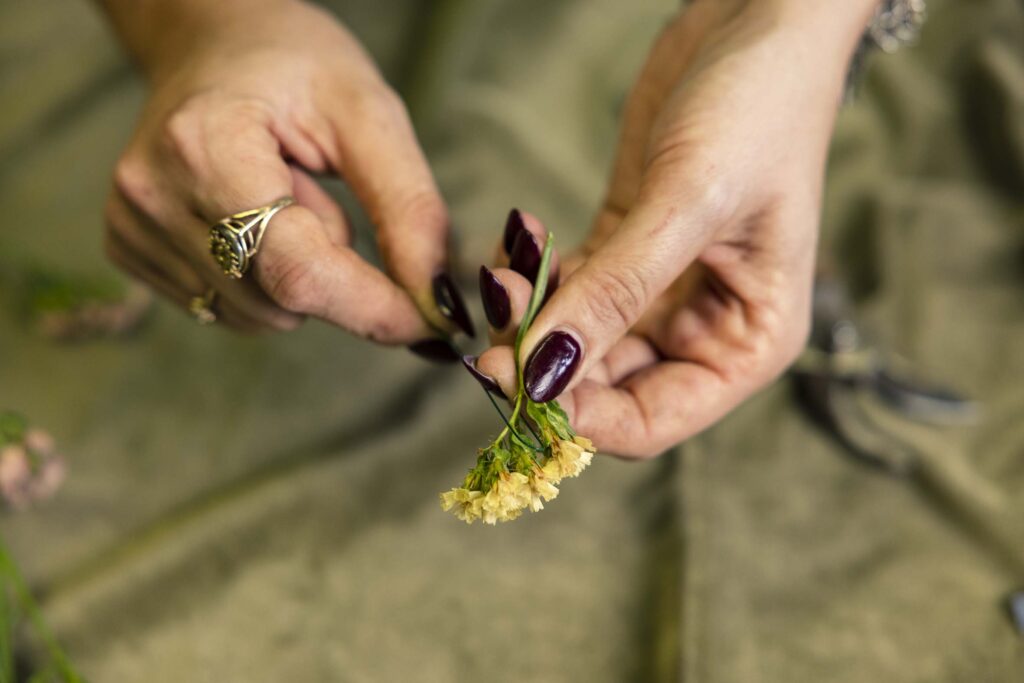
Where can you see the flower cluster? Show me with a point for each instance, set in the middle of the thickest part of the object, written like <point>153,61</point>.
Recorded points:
<point>75,308</point>
<point>515,473</point>
<point>537,449</point>
<point>30,468</point>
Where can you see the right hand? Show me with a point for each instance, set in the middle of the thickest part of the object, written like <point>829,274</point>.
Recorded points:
<point>247,107</point>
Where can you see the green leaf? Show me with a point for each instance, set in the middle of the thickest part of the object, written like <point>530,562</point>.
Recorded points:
<point>552,416</point>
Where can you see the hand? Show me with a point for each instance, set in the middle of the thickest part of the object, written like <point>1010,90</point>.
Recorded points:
<point>693,289</point>
<point>249,99</point>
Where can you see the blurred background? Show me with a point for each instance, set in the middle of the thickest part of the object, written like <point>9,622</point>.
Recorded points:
<point>265,509</point>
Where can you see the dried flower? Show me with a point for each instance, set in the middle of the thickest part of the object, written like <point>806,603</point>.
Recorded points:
<point>74,308</point>
<point>542,488</point>
<point>522,467</point>
<point>465,503</point>
<point>572,457</point>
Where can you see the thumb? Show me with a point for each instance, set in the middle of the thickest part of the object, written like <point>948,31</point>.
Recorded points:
<point>605,296</point>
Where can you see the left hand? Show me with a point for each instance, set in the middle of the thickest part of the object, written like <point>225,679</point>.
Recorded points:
<point>693,290</point>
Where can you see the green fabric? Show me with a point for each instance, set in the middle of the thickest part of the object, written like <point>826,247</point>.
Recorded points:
<point>266,509</point>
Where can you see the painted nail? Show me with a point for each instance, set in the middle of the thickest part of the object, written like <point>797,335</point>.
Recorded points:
<point>497,305</point>
<point>488,383</point>
<point>551,366</point>
<point>436,350</point>
<point>451,304</point>
<point>525,256</point>
<point>513,226</point>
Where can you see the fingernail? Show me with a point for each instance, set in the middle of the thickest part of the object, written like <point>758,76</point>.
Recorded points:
<point>497,305</point>
<point>488,383</point>
<point>525,256</point>
<point>451,304</point>
<point>436,350</point>
<point>513,226</point>
<point>551,366</point>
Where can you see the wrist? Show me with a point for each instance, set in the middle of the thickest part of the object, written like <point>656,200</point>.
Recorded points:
<point>161,33</point>
<point>825,35</point>
<point>838,24</point>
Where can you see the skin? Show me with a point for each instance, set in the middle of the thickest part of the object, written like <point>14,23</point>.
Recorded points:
<point>693,290</point>
<point>249,99</point>
<point>691,293</point>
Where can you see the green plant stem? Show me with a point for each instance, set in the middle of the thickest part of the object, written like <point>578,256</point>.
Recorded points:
<point>540,287</point>
<point>536,299</point>
<point>29,607</point>
<point>8,618</point>
<point>509,429</point>
<point>511,420</point>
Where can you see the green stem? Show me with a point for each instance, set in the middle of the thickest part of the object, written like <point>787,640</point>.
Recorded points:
<point>8,618</point>
<point>536,300</point>
<point>511,420</point>
<point>509,429</point>
<point>29,607</point>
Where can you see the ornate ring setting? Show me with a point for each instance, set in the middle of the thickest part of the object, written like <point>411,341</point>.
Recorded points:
<point>235,240</point>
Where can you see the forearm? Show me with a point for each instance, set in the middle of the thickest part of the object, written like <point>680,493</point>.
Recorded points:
<point>156,31</point>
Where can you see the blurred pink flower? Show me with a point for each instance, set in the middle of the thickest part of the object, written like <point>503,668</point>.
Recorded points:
<point>30,471</point>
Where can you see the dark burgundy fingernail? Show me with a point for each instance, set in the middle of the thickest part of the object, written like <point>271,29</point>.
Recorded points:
<point>513,226</point>
<point>486,382</point>
<point>525,256</point>
<point>551,366</point>
<point>497,305</point>
<point>436,350</point>
<point>451,304</point>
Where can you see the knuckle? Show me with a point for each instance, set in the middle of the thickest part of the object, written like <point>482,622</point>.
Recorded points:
<point>794,341</point>
<point>133,180</point>
<point>427,207</point>
<point>291,285</point>
<point>377,104</point>
<point>694,179</point>
<point>388,103</point>
<point>182,135</point>
<point>393,105</point>
<point>616,297</point>
<point>378,331</point>
<point>180,127</point>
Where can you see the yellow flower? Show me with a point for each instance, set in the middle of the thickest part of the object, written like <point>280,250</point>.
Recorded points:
<point>586,443</point>
<point>572,457</point>
<point>542,488</point>
<point>552,471</point>
<point>507,498</point>
<point>465,503</point>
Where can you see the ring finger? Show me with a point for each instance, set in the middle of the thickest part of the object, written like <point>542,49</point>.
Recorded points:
<point>144,270</point>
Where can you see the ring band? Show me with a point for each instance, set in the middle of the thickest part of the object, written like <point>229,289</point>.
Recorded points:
<point>235,240</point>
<point>201,307</point>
